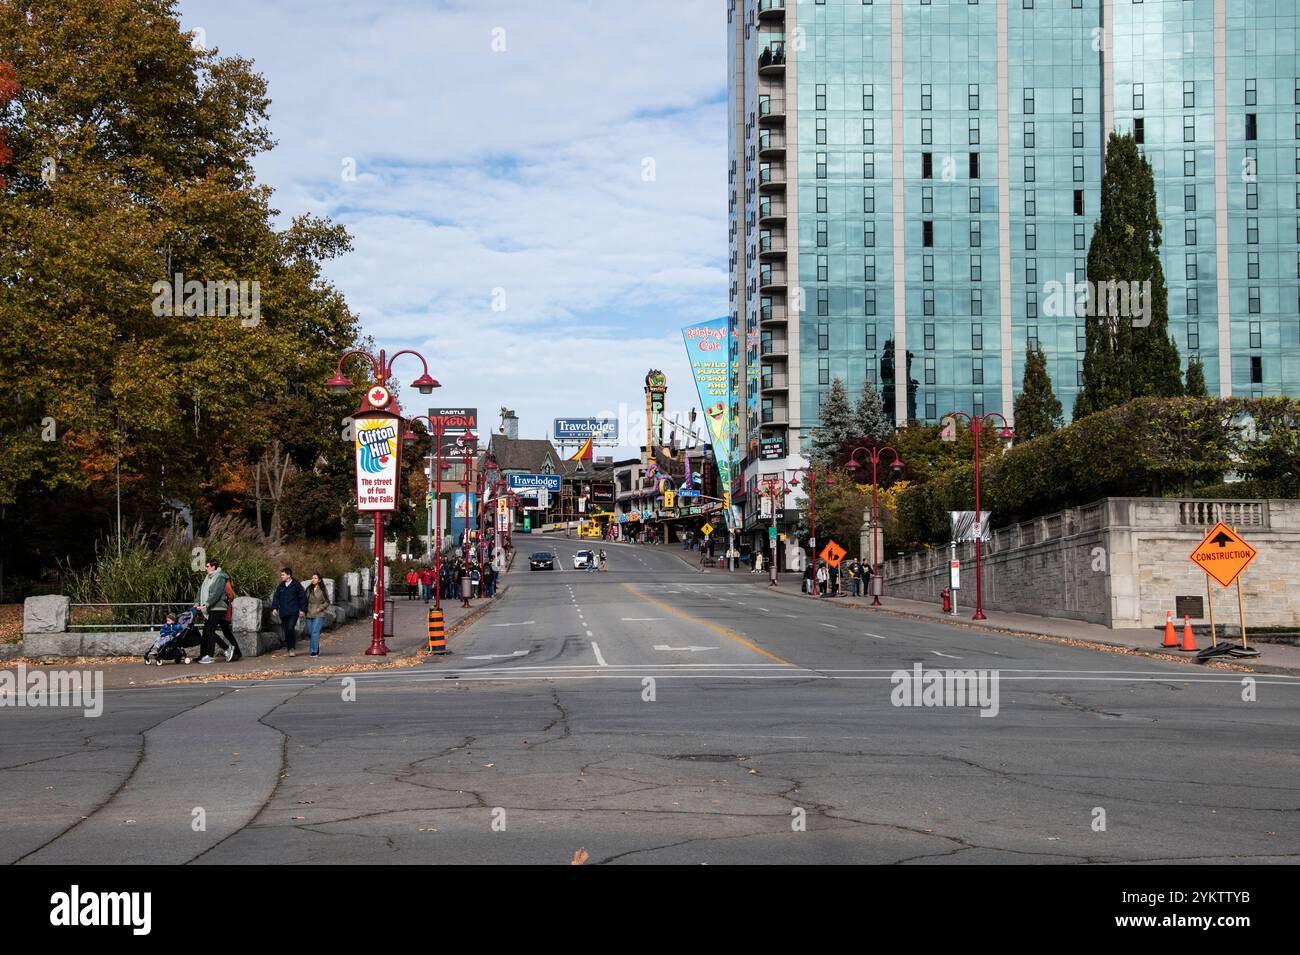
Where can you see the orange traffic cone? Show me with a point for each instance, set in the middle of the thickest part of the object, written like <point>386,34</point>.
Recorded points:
<point>1189,641</point>
<point>1171,639</point>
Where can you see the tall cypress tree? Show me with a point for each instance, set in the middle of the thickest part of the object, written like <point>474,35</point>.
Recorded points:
<point>1196,378</point>
<point>1038,410</point>
<point>1131,355</point>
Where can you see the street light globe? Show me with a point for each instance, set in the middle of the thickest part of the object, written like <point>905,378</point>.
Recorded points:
<point>425,385</point>
<point>340,384</point>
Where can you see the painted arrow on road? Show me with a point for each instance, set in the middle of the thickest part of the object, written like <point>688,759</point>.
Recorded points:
<point>499,656</point>
<point>524,623</point>
<point>660,646</point>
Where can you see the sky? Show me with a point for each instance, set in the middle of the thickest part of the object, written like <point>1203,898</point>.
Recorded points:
<point>536,192</point>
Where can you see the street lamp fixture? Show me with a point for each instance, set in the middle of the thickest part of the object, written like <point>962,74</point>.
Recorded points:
<point>874,455</point>
<point>976,422</point>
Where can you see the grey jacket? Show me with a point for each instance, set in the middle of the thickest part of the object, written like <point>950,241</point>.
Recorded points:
<point>212,592</point>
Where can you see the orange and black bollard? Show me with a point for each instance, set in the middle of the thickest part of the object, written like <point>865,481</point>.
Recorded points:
<point>437,633</point>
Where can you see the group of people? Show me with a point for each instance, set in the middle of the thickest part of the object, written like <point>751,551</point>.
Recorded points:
<point>420,583</point>
<point>852,575</point>
<point>292,606</point>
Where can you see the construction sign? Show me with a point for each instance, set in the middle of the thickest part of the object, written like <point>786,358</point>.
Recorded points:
<point>833,554</point>
<point>1223,554</point>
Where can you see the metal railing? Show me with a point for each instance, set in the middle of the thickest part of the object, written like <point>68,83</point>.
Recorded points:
<point>122,616</point>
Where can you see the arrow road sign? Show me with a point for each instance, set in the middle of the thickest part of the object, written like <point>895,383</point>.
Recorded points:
<point>1223,554</point>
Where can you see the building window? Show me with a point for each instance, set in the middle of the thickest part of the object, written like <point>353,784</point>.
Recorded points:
<point>1189,266</point>
<point>868,132</point>
<point>973,132</point>
<point>821,132</point>
<point>1189,232</point>
<point>974,198</point>
<point>1256,336</point>
<point>1078,202</point>
<point>1031,271</point>
<point>1031,336</point>
<point>927,301</point>
<point>871,338</point>
<point>870,309</point>
<point>821,165</point>
<point>821,199</point>
<point>927,130</point>
<point>976,333</point>
<point>823,237</point>
<point>1189,128</point>
<point>1029,135</point>
<point>1139,130</point>
<point>868,268</point>
<point>819,96</point>
<point>869,234</point>
<point>868,165</point>
<point>972,96</point>
<point>1252,126</point>
<point>927,166</point>
<point>976,269</point>
<point>1031,202</point>
<point>1252,304</point>
<point>931,408</point>
<point>868,199</point>
<point>1078,136</point>
<point>927,234</point>
<point>975,234</point>
<point>1252,231</point>
<point>977,402</point>
<point>1078,373</point>
<point>1189,198</point>
<point>930,375</point>
<point>974,164</point>
<point>1029,169</point>
<point>823,268</point>
<point>1078,169</point>
<point>1076,100</point>
<point>868,97</point>
<point>1080,338</point>
<point>927,199</point>
<point>927,268</point>
<point>1252,265</point>
<point>927,332</point>
<point>823,336</point>
<point>977,371</point>
<point>1256,370</point>
<point>1031,304</point>
<point>1250,92</point>
<point>1189,162</point>
<point>927,99</point>
<point>1029,101</point>
<point>1189,94</point>
<point>1080,237</point>
<point>1193,302</point>
<point>976,302</point>
<point>823,371</point>
<point>1139,99</point>
<point>1193,336</point>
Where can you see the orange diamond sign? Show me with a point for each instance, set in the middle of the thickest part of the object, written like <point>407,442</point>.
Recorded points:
<point>1223,554</point>
<point>833,553</point>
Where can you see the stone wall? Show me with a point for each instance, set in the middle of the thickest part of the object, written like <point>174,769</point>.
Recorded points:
<point>1121,562</point>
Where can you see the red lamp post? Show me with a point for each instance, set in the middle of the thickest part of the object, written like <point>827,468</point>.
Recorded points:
<point>976,422</point>
<point>436,429</point>
<point>812,518</point>
<point>771,486</point>
<point>378,402</point>
<point>874,455</point>
<point>466,588</point>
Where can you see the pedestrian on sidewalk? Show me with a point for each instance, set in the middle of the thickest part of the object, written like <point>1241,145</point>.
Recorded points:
<point>822,579</point>
<point>426,583</point>
<point>412,583</point>
<point>212,602</point>
<point>758,562</point>
<point>318,602</point>
<point>289,604</point>
<point>855,577</point>
<point>604,561</point>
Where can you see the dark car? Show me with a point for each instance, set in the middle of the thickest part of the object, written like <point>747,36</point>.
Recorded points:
<point>542,560</point>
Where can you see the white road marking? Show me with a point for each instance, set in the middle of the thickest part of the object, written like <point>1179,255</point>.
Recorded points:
<point>639,619</point>
<point>499,656</point>
<point>595,648</point>
<point>662,646</point>
<point>523,623</point>
<point>831,625</point>
<point>948,655</point>
<point>763,609</point>
<point>876,635</point>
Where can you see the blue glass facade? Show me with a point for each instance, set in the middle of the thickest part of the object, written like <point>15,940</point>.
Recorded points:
<point>945,217</point>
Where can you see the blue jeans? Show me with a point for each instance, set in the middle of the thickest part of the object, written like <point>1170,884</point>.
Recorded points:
<point>314,625</point>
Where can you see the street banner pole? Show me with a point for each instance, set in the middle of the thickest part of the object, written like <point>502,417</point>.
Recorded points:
<point>1209,599</point>
<point>1241,613</point>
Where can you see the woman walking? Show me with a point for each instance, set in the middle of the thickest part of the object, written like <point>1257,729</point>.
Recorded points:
<point>318,602</point>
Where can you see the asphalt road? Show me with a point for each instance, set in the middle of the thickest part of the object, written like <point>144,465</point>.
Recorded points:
<point>654,713</point>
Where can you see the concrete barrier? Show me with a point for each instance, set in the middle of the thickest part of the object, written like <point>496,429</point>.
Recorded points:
<point>46,614</point>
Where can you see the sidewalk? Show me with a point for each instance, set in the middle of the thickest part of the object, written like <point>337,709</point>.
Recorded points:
<point>342,649</point>
<point>1273,657</point>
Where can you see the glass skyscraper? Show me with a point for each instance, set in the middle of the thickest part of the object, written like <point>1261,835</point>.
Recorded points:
<point>914,185</point>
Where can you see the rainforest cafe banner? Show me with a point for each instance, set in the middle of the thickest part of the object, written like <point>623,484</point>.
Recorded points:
<point>708,348</point>
<point>378,437</point>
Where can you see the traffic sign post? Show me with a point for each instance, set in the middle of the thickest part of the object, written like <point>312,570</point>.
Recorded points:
<point>1223,555</point>
<point>706,530</point>
<point>833,554</point>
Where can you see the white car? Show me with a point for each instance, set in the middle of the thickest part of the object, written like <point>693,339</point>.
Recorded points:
<point>583,559</point>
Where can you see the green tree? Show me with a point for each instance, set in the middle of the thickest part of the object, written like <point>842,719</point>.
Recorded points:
<point>873,425</point>
<point>1038,410</point>
<point>841,503</point>
<point>837,426</point>
<point>1196,378</point>
<point>132,165</point>
<point>1127,355</point>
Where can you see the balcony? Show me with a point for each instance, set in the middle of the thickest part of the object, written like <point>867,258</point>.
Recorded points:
<point>775,418</point>
<point>771,144</point>
<point>771,62</point>
<point>774,382</point>
<point>771,211</point>
<point>771,245</point>
<point>771,279</point>
<point>771,9</point>
<point>771,110</point>
<point>771,177</point>
<point>772,314</point>
<point>774,348</point>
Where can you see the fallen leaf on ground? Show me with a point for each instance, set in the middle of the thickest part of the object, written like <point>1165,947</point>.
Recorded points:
<point>580,857</point>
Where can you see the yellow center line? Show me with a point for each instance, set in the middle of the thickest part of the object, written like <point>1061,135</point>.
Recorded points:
<point>712,626</point>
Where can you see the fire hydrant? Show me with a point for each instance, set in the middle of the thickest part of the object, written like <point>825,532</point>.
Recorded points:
<point>947,600</point>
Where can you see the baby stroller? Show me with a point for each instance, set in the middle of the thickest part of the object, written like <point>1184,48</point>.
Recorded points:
<point>175,641</point>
